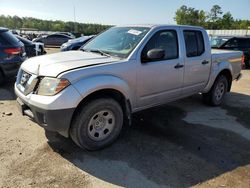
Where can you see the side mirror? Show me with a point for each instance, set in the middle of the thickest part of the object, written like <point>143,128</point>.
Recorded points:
<point>154,54</point>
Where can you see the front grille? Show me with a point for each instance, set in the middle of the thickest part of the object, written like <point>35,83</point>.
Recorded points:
<point>26,82</point>
<point>24,78</point>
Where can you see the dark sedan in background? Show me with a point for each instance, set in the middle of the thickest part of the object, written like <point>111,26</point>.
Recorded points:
<point>32,48</point>
<point>75,44</point>
<point>234,43</point>
<point>53,39</point>
<point>12,54</point>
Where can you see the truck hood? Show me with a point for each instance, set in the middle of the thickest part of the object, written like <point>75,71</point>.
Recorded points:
<point>54,64</point>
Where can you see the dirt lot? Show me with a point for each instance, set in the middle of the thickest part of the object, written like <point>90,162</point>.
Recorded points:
<point>182,144</point>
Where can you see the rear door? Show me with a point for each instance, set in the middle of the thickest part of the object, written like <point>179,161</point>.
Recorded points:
<point>197,60</point>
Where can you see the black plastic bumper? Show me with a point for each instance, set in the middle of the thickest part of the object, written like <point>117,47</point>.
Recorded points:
<point>52,120</point>
<point>10,69</point>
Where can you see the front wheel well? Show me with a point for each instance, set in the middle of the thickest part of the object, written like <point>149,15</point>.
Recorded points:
<point>228,75</point>
<point>108,93</point>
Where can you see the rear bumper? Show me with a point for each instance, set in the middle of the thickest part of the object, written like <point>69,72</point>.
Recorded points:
<point>52,120</point>
<point>10,69</point>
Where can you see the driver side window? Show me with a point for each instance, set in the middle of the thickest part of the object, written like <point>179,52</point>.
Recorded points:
<point>165,40</point>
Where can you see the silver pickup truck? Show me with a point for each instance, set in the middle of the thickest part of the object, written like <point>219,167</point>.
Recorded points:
<point>88,95</point>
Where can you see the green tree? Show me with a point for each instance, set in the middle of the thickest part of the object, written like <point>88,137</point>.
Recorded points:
<point>215,13</point>
<point>190,16</point>
<point>16,22</point>
<point>215,19</point>
<point>227,21</point>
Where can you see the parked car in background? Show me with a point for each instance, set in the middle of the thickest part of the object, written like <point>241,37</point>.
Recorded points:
<point>234,43</point>
<point>75,44</point>
<point>53,39</point>
<point>32,48</point>
<point>12,54</point>
<point>66,33</point>
<point>89,94</point>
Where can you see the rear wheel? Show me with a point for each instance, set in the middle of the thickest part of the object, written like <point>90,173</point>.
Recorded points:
<point>97,124</point>
<point>215,96</point>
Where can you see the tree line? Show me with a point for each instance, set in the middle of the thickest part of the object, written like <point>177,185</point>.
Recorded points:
<point>215,19</point>
<point>15,22</point>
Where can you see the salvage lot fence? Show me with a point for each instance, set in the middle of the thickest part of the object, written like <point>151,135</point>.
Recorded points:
<point>212,33</point>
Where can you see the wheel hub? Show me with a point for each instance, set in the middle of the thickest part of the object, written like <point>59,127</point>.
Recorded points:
<point>220,90</point>
<point>101,125</point>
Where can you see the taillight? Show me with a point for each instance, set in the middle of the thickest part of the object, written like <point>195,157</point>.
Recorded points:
<point>13,51</point>
<point>243,61</point>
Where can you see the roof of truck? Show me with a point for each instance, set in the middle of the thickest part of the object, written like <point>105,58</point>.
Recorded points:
<point>158,25</point>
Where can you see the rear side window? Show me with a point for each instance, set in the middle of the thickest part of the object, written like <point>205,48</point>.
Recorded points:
<point>6,38</point>
<point>194,43</point>
<point>57,36</point>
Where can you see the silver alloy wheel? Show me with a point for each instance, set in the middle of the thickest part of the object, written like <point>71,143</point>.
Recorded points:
<point>101,125</point>
<point>219,91</point>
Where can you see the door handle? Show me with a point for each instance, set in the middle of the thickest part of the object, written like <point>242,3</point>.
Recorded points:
<point>178,66</point>
<point>205,62</point>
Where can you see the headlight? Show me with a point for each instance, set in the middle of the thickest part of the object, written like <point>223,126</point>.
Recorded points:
<point>52,86</point>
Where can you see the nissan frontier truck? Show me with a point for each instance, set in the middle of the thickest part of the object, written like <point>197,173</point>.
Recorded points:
<point>90,94</point>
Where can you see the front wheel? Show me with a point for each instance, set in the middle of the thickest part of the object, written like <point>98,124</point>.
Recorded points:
<point>97,124</point>
<point>216,95</point>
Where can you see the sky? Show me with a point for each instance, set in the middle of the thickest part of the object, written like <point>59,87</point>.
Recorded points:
<point>116,12</point>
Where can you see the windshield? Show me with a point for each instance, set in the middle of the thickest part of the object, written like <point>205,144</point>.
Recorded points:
<point>217,42</point>
<point>117,41</point>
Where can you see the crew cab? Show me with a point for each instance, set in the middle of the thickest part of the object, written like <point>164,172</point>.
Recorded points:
<point>89,95</point>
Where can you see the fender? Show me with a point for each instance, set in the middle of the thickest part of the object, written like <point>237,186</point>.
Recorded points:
<point>216,69</point>
<point>91,84</point>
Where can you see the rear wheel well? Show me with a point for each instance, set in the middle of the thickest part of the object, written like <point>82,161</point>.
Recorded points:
<point>108,93</point>
<point>228,75</point>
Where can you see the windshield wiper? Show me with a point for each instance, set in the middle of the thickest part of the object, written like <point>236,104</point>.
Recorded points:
<point>98,51</point>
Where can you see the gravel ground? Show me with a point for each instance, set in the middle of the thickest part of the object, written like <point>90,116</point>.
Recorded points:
<point>181,144</point>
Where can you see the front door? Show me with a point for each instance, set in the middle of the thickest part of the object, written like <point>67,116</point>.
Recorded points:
<point>159,81</point>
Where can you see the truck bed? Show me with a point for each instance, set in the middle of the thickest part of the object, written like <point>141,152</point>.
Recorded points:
<point>233,57</point>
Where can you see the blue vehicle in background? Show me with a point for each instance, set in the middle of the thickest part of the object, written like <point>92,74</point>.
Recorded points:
<point>12,54</point>
<point>76,44</point>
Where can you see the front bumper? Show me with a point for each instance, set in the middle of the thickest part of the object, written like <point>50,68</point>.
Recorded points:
<point>53,113</point>
<point>52,120</point>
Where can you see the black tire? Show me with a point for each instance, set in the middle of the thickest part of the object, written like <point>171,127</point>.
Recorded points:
<point>212,98</point>
<point>1,78</point>
<point>80,130</point>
